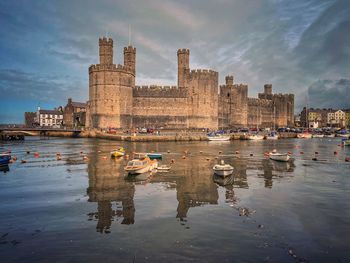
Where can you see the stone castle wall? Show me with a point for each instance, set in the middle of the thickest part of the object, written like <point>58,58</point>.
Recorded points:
<point>197,101</point>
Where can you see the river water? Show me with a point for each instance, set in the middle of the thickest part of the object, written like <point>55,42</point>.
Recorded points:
<point>76,210</point>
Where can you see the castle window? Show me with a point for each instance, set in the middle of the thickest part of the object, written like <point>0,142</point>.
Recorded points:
<point>228,94</point>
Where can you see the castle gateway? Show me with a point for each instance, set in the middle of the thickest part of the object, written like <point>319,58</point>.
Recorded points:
<point>196,102</point>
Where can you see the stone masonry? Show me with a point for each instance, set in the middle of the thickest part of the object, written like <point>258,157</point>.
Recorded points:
<point>196,102</point>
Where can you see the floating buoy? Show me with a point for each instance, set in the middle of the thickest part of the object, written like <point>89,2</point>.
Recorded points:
<point>168,151</point>
<point>172,161</point>
<point>289,153</point>
<point>251,154</point>
<point>183,157</point>
<point>220,152</point>
<point>237,152</point>
<point>208,159</point>
<point>36,154</point>
<point>216,157</point>
<point>301,152</point>
<point>347,159</point>
<point>200,152</point>
<point>14,158</point>
<point>28,152</point>
<point>85,157</point>
<point>335,152</point>
<point>104,157</point>
<point>81,152</point>
<point>98,151</point>
<point>58,157</point>
<point>314,159</point>
<point>23,161</point>
<point>316,152</point>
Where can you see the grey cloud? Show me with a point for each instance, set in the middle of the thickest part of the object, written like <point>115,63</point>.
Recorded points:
<point>330,94</point>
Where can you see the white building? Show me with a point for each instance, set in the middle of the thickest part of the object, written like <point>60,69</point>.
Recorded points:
<point>336,118</point>
<point>49,118</point>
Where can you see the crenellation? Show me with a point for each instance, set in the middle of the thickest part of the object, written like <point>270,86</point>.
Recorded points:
<point>155,91</point>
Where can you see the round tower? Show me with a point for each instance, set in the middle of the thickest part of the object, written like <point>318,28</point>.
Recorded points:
<point>183,66</point>
<point>106,51</point>
<point>130,59</point>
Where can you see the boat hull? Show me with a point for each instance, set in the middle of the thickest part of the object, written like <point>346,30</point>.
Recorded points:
<point>5,159</point>
<point>219,138</point>
<point>154,155</point>
<point>279,157</point>
<point>255,137</point>
<point>223,173</point>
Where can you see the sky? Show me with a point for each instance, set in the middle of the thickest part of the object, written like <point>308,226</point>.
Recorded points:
<point>300,47</point>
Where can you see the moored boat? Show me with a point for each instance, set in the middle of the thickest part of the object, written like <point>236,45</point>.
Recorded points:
<point>5,158</point>
<point>304,135</point>
<point>163,168</point>
<point>317,135</point>
<point>223,169</point>
<point>142,165</point>
<point>281,157</point>
<point>330,135</point>
<point>272,136</point>
<point>118,152</point>
<point>346,142</point>
<point>154,155</point>
<point>219,138</point>
<point>255,137</point>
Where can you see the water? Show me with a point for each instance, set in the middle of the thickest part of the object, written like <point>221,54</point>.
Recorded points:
<point>75,210</point>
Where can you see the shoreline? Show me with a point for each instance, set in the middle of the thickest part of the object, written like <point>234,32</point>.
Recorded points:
<point>181,136</point>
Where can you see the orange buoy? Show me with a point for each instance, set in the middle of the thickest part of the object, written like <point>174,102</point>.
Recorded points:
<point>58,157</point>
<point>220,152</point>
<point>335,152</point>
<point>172,161</point>
<point>168,151</point>
<point>200,152</point>
<point>347,159</point>
<point>23,161</point>
<point>301,152</point>
<point>208,159</point>
<point>104,157</point>
<point>237,152</point>
<point>251,154</point>
<point>316,152</point>
<point>183,157</point>
<point>36,154</point>
<point>85,157</point>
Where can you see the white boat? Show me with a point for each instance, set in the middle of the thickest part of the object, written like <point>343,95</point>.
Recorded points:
<point>332,135</point>
<point>219,138</point>
<point>163,168</point>
<point>272,136</point>
<point>142,165</point>
<point>317,135</point>
<point>223,169</point>
<point>282,157</point>
<point>343,135</point>
<point>255,137</point>
<point>304,135</point>
<point>346,142</point>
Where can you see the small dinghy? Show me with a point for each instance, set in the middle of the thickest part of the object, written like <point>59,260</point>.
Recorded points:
<point>118,153</point>
<point>5,158</point>
<point>281,157</point>
<point>223,169</point>
<point>163,168</point>
<point>154,155</point>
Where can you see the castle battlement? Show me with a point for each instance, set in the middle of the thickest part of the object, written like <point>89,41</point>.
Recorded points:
<point>108,67</point>
<point>196,73</point>
<point>259,102</point>
<point>105,41</point>
<point>183,51</point>
<point>154,91</point>
<point>130,49</point>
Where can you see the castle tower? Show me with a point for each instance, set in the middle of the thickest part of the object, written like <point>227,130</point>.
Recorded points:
<point>229,80</point>
<point>183,66</point>
<point>268,89</point>
<point>106,51</point>
<point>130,59</point>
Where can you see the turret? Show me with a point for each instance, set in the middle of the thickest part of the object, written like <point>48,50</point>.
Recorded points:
<point>268,89</point>
<point>229,80</point>
<point>183,66</point>
<point>130,59</point>
<point>106,51</point>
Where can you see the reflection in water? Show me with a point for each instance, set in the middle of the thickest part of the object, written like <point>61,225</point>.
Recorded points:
<point>273,169</point>
<point>4,168</point>
<point>192,178</point>
<point>107,185</point>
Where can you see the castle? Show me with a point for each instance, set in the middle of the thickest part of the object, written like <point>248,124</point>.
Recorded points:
<point>196,102</point>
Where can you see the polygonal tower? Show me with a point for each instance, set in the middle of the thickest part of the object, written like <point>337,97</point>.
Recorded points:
<point>106,51</point>
<point>183,66</point>
<point>130,59</point>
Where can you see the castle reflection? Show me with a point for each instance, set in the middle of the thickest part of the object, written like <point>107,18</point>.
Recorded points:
<point>191,178</point>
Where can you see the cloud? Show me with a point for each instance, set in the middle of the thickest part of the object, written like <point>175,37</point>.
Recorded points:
<point>328,93</point>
